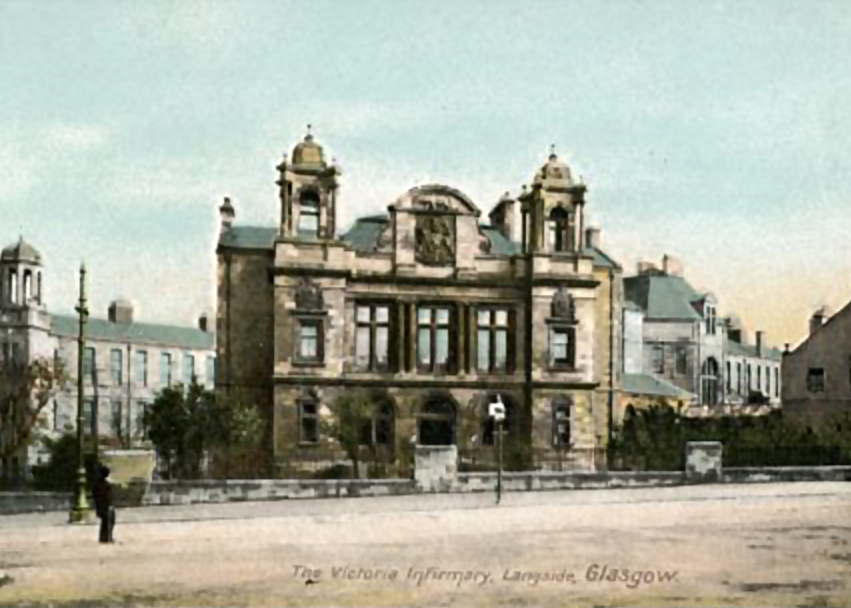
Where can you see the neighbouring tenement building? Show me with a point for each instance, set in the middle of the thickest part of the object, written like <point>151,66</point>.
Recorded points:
<point>697,359</point>
<point>817,372</point>
<point>125,362</point>
<point>432,312</point>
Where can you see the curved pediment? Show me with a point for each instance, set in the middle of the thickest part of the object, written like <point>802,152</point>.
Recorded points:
<point>437,197</point>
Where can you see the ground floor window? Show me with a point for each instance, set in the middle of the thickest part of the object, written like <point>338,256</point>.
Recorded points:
<point>436,423</point>
<point>308,415</point>
<point>709,382</point>
<point>561,422</point>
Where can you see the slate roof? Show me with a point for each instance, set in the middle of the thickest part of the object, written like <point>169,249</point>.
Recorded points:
<point>749,350</point>
<point>645,384</point>
<point>364,234</point>
<point>141,333</point>
<point>663,296</point>
<point>249,237</point>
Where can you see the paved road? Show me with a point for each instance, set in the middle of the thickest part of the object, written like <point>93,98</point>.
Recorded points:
<point>771,545</point>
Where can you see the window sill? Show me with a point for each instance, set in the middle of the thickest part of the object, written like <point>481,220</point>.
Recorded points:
<point>308,444</point>
<point>562,369</point>
<point>303,363</point>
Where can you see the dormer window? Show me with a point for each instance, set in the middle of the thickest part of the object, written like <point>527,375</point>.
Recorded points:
<point>709,317</point>
<point>308,223</point>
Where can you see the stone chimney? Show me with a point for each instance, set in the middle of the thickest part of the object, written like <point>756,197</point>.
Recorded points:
<point>204,322</point>
<point>592,237</point>
<point>817,320</point>
<point>502,216</point>
<point>120,311</point>
<point>760,339</point>
<point>226,214</point>
<point>672,266</point>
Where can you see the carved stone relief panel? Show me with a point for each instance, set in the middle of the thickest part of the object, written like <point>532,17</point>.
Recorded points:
<point>435,239</point>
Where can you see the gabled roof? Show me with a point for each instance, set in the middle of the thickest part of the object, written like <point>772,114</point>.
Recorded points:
<point>662,296</point>
<point>141,333</point>
<point>645,384</point>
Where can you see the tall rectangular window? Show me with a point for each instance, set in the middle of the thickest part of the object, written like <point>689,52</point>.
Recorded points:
<point>758,378</point>
<point>165,369</point>
<point>142,420</point>
<point>188,368</point>
<point>89,363</point>
<point>142,367</point>
<point>309,340</point>
<point>657,359</point>
<point>90,417</point>
<point>729,377</point>
<point>562,347</point>
<point>115,368</point>
<point>739,378</point>
<point>433,347</point>
<point>308,421</point>
<point>681,360</point>
<point>767,381</point>
<point>117,418</point>
<point>492,340</point>
<point>210,372</point>
<point>561,423</point>
<point>372,336</point>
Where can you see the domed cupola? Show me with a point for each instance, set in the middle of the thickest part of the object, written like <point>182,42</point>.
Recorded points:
<point>554,172</point>
<point>21,252</point>
<point>308,152</point>
<point>20,275</point>
<point>308,192</point>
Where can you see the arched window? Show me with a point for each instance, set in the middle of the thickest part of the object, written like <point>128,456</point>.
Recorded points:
<point>13,286</point>
<point>436,422</point>
<point>557,228</point>
<point>308,222</point>
<point>709,381</point>
<point>28,285</point>
<point>384,424</point>
<point>561,407</point>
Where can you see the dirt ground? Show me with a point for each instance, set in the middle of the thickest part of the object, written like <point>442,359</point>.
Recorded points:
<point>754,545</point>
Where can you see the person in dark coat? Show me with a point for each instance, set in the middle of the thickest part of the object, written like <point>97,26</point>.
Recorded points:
<point>102,493</point>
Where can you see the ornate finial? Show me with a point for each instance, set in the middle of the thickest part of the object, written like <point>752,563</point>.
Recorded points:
<point>309,136</point>
<point>552,151</point>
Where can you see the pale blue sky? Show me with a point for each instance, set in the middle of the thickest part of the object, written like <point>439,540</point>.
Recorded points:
<point>716,131</point>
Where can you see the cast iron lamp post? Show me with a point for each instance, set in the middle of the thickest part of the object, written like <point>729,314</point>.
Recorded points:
<point>497,414</point>
<point>80,508</point>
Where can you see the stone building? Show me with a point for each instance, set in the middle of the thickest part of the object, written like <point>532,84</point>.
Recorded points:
<point>816,385</point>
<point>685,344</point>
<point>125,362</point>
<point>431,311</point>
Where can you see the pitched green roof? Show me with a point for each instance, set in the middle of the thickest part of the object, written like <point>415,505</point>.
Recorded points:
<point>364,233</point>
<point>142,333</point>
<point>662,296</point>
<point>249,237</point>
<point>499,244</point>
<point>645,384</point>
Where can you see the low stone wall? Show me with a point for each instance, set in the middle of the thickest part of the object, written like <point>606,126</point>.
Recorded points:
<point>213,491</point>
<point>436,468</point>
<point>33,502</point>
<point>775,474</point>
<point>542,481</point>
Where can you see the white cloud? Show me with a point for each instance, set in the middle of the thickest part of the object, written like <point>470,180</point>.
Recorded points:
<point>64,138</point>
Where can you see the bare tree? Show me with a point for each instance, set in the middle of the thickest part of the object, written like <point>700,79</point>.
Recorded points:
<point>25,390</point>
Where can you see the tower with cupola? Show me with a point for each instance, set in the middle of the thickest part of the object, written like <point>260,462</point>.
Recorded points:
<point>308,192</point>
<point>553,210</point>
<point>21,276</point>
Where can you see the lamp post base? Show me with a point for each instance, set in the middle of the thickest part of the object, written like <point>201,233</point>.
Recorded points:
<point>80,511</point>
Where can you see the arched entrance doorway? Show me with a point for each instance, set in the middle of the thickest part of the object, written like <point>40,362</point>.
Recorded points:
<point>436,422</point>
